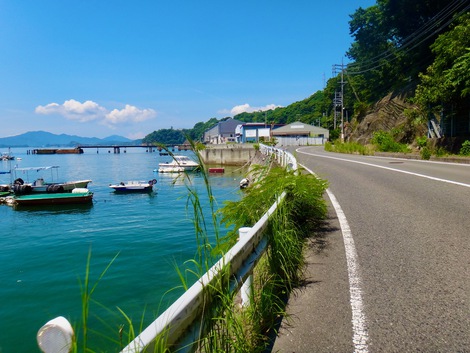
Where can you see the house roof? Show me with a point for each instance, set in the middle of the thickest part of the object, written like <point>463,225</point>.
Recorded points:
<point>299,128</point>
<point>228,126</point>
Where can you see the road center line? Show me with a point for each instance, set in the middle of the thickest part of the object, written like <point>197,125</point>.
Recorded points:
<point>388,168</point>
<point>360,333</point>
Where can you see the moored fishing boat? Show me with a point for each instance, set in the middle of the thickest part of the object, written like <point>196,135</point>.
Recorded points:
<point>216,170</point>
<point>77,196</point>
<point>40,186</point>
<point>134,186</point>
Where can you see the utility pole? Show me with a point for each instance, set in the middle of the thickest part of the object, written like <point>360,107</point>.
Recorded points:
<point>338,102</point>
<point>339,96</point>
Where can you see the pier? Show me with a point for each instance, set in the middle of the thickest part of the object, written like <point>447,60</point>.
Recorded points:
<point>115,148</point>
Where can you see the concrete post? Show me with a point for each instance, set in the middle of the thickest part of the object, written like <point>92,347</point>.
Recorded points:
<point>246,290</point>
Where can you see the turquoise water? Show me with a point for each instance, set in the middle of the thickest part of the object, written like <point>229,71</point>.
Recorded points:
<point>43,252</point>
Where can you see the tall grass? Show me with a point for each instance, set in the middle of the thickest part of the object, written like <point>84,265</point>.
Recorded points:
<point>80,341</point>
<point>280,270</point>
<point>226,326</point>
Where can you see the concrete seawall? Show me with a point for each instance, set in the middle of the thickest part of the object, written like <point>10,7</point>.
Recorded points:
<point>233,154</point>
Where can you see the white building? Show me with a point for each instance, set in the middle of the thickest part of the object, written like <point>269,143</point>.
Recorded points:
<point>298,133</point>
<point>223,132</point>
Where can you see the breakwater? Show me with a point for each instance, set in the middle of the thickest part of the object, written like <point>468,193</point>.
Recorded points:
<point>233,154</point>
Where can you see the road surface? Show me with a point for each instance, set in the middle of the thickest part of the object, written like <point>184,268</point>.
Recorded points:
<point>390,270</point>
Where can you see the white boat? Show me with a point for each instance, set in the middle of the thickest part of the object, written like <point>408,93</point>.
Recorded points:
<point>134,186</point>
<point>6,156</point>
<point>178,164</point>
<point>21,186</point>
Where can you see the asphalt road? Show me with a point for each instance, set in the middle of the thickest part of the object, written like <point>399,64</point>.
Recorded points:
<point>396,280</point>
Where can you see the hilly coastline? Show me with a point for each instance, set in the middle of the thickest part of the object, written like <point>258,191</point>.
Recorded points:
<point>47,139</point>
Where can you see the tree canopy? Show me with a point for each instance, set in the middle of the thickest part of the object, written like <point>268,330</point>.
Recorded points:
<point>447,79</point>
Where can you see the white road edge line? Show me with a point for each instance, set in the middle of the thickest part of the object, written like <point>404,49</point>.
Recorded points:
<point>387,168</point>
<point>360,333</point>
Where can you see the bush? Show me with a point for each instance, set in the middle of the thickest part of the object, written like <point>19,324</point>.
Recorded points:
<point>386,143</point>
<point>421,141</point>
<point>465,150</point>
<point>425,153</point>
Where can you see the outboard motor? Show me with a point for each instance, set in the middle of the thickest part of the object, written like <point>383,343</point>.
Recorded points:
<point>18,181</point>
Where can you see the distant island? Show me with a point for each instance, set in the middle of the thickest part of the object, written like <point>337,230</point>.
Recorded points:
<point>47,139</point>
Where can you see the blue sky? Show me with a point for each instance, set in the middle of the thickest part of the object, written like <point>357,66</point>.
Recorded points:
<point>101,68</point>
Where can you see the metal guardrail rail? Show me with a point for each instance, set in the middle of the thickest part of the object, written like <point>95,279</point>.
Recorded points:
<point>179,325</point>
<point>284,158</point>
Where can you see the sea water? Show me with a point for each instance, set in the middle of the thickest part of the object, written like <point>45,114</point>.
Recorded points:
<point>44,251</point>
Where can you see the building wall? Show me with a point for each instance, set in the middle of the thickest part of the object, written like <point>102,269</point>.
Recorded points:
<point>299,141</point>
<point>211,134</point>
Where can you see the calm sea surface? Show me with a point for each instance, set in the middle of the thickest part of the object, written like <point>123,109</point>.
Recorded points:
<point>43,252</point>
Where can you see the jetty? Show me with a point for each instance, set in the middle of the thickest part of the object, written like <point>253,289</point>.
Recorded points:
<point>115,148</point>
<point>76,150</point>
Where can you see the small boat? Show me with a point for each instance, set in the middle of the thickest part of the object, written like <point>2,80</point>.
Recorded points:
<point>216,170</point>
<point>40,186</point>
<point>178,164</point>
<point>77,196</point>
<point>6,156</point>
<point>134,186</point>
<point>244,183</point>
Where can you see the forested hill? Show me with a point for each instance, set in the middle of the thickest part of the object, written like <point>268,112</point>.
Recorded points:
<point>418,50</point>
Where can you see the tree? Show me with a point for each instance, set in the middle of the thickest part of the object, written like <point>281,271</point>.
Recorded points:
<point>448,78</point>
<point>392,40</point>
<point>165,136</point>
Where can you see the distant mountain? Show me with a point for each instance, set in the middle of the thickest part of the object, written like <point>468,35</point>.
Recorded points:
<point>46,139</point>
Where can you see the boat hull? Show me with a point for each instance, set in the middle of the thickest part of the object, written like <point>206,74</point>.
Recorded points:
<point>54,199</point>
<point>134,187</point>
<point>130,189</point>
<point>175,169</point>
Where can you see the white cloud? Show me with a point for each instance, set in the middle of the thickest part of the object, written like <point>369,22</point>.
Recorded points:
<point>89,111</point>
<point>129,114</point>
<point>246,108</point>
<point>74,110</point>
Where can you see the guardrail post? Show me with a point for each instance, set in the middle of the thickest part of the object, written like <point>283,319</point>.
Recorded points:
<point>56,336</point>
<point>246,289</point>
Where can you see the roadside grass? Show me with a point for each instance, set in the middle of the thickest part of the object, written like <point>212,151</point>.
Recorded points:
<point>349,147</point>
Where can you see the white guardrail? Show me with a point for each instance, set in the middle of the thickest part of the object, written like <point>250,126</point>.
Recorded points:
<point>284,158</point>
<point>180,324</point>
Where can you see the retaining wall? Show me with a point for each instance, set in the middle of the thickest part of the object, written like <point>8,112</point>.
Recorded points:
<point>232,154</point>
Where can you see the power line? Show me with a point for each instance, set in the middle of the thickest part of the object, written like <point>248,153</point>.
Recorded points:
<point>411,39</point>
<point>444,13</point>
